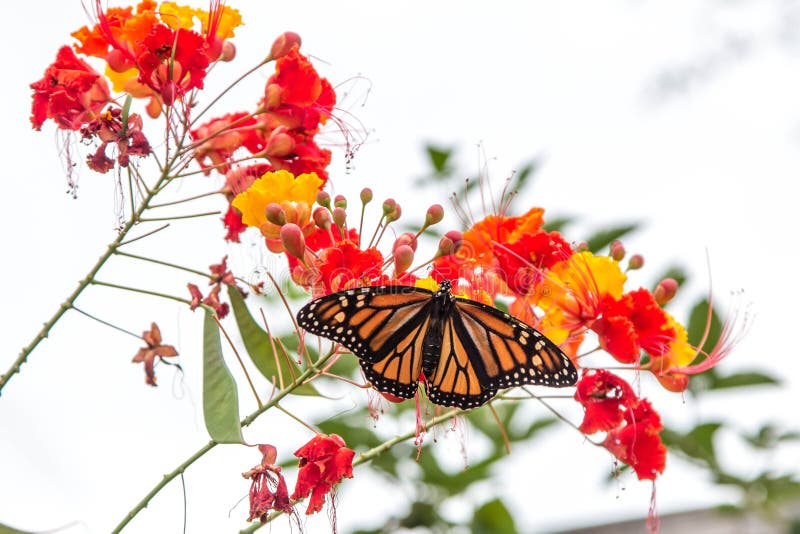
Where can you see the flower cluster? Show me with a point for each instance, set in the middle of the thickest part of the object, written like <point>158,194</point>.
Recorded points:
<point>280,132</point>
<point>324,462</point>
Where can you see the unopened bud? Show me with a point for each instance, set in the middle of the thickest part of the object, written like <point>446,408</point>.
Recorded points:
<point>339,217</point>
<point>228,51</point>
<point>283,44</point>
<point>406,238</point>
<point>293,240</point>
<point>169,92</point>
<point>581,246</point>
<point>635,262</point>
<point>617,250</point>
<point>403,258</point>
<point>280,144</point>
<point>322,218</point>
<point>450,243</point>
<point>665,290</point>
<point>275,214</point>
<point>388,206</point>
<point>339,201</point>
<point>393,216</point>
<point>273,95</point>
<point>434,215</point>
<point>366,195</point>
<point>324,199</point>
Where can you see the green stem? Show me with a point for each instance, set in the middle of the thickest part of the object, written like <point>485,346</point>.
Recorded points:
<point>371,454</point>
<point>188,199</point>
<point>143,291</point>
<point>305,375</point>
<point>231,86</point>
<point>159,262</point>
<point>176,217</point>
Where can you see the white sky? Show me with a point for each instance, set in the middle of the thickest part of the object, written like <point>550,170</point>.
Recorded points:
<point>712,167</point>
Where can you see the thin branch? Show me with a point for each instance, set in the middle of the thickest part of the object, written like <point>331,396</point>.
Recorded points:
<point>101,321</point>
<point>151,232</point>
<point>142,291</point>
<point>188,199</point>
<point>159,262</point>
<point>177,217</point>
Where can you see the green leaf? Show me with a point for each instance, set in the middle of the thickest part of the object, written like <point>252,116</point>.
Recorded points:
<point>259,347</point>
<point>738,380</point>
<point>603,238</point>
<point>439,158</point>
<point>556,224</point>
<point>220,398</point>
<point>493,518</point>
<point>5,529</point>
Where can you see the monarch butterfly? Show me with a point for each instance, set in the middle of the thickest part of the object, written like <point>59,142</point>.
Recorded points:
<point>466,350</point>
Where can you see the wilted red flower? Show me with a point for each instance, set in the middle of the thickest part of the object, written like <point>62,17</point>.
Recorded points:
<point>268,489</point>
<point>154,349</point>
<point>638,442</point>
<point>324,461</point>
<point>71,93</point>
<point>219,275</point>
<point>128,139</point>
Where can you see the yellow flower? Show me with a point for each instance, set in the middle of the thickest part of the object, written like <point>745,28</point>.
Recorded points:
<point>574,289</point>
<point>280,187</point>
<point>176,16</point>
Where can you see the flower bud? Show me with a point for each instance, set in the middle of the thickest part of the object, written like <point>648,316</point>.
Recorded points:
<point>394,215</point>
<point>403,258</point>
<point>635,262</point>
<point>388,206</point>
<point>366,195</point>
<point>339,201</point>
<point>324,199</point>
<point>283,44</point>
<point>322,218</point>
<point>228,51</point>
<point>581,246</point>
<point>275,214</point>
<point>280,144</point>
<point>293,240</point>
<point>665,290</point>
<point>169,92</point>
<point>273,95</point>
<point>406,238</point>
<point>434,215</point>
<point>617,250</point>
<point>339,217</point>
<point>457,238</point>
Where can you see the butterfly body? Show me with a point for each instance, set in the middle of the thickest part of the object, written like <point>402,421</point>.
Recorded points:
<point>463,350</point>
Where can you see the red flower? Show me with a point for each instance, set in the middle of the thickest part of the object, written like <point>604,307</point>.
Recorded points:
<point>268,489</point>
<point>632,323</point>
<point>297,83</point>
<point>154,348</point>
<point>638,443</point>
<point>606,398</point>
<point>233,222</point>
<point>173,62</point>
<point>522,262</point>
<point>71,93</point>
<point>225,135</point>
<point>345,262</point>
<point>324,461</point>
